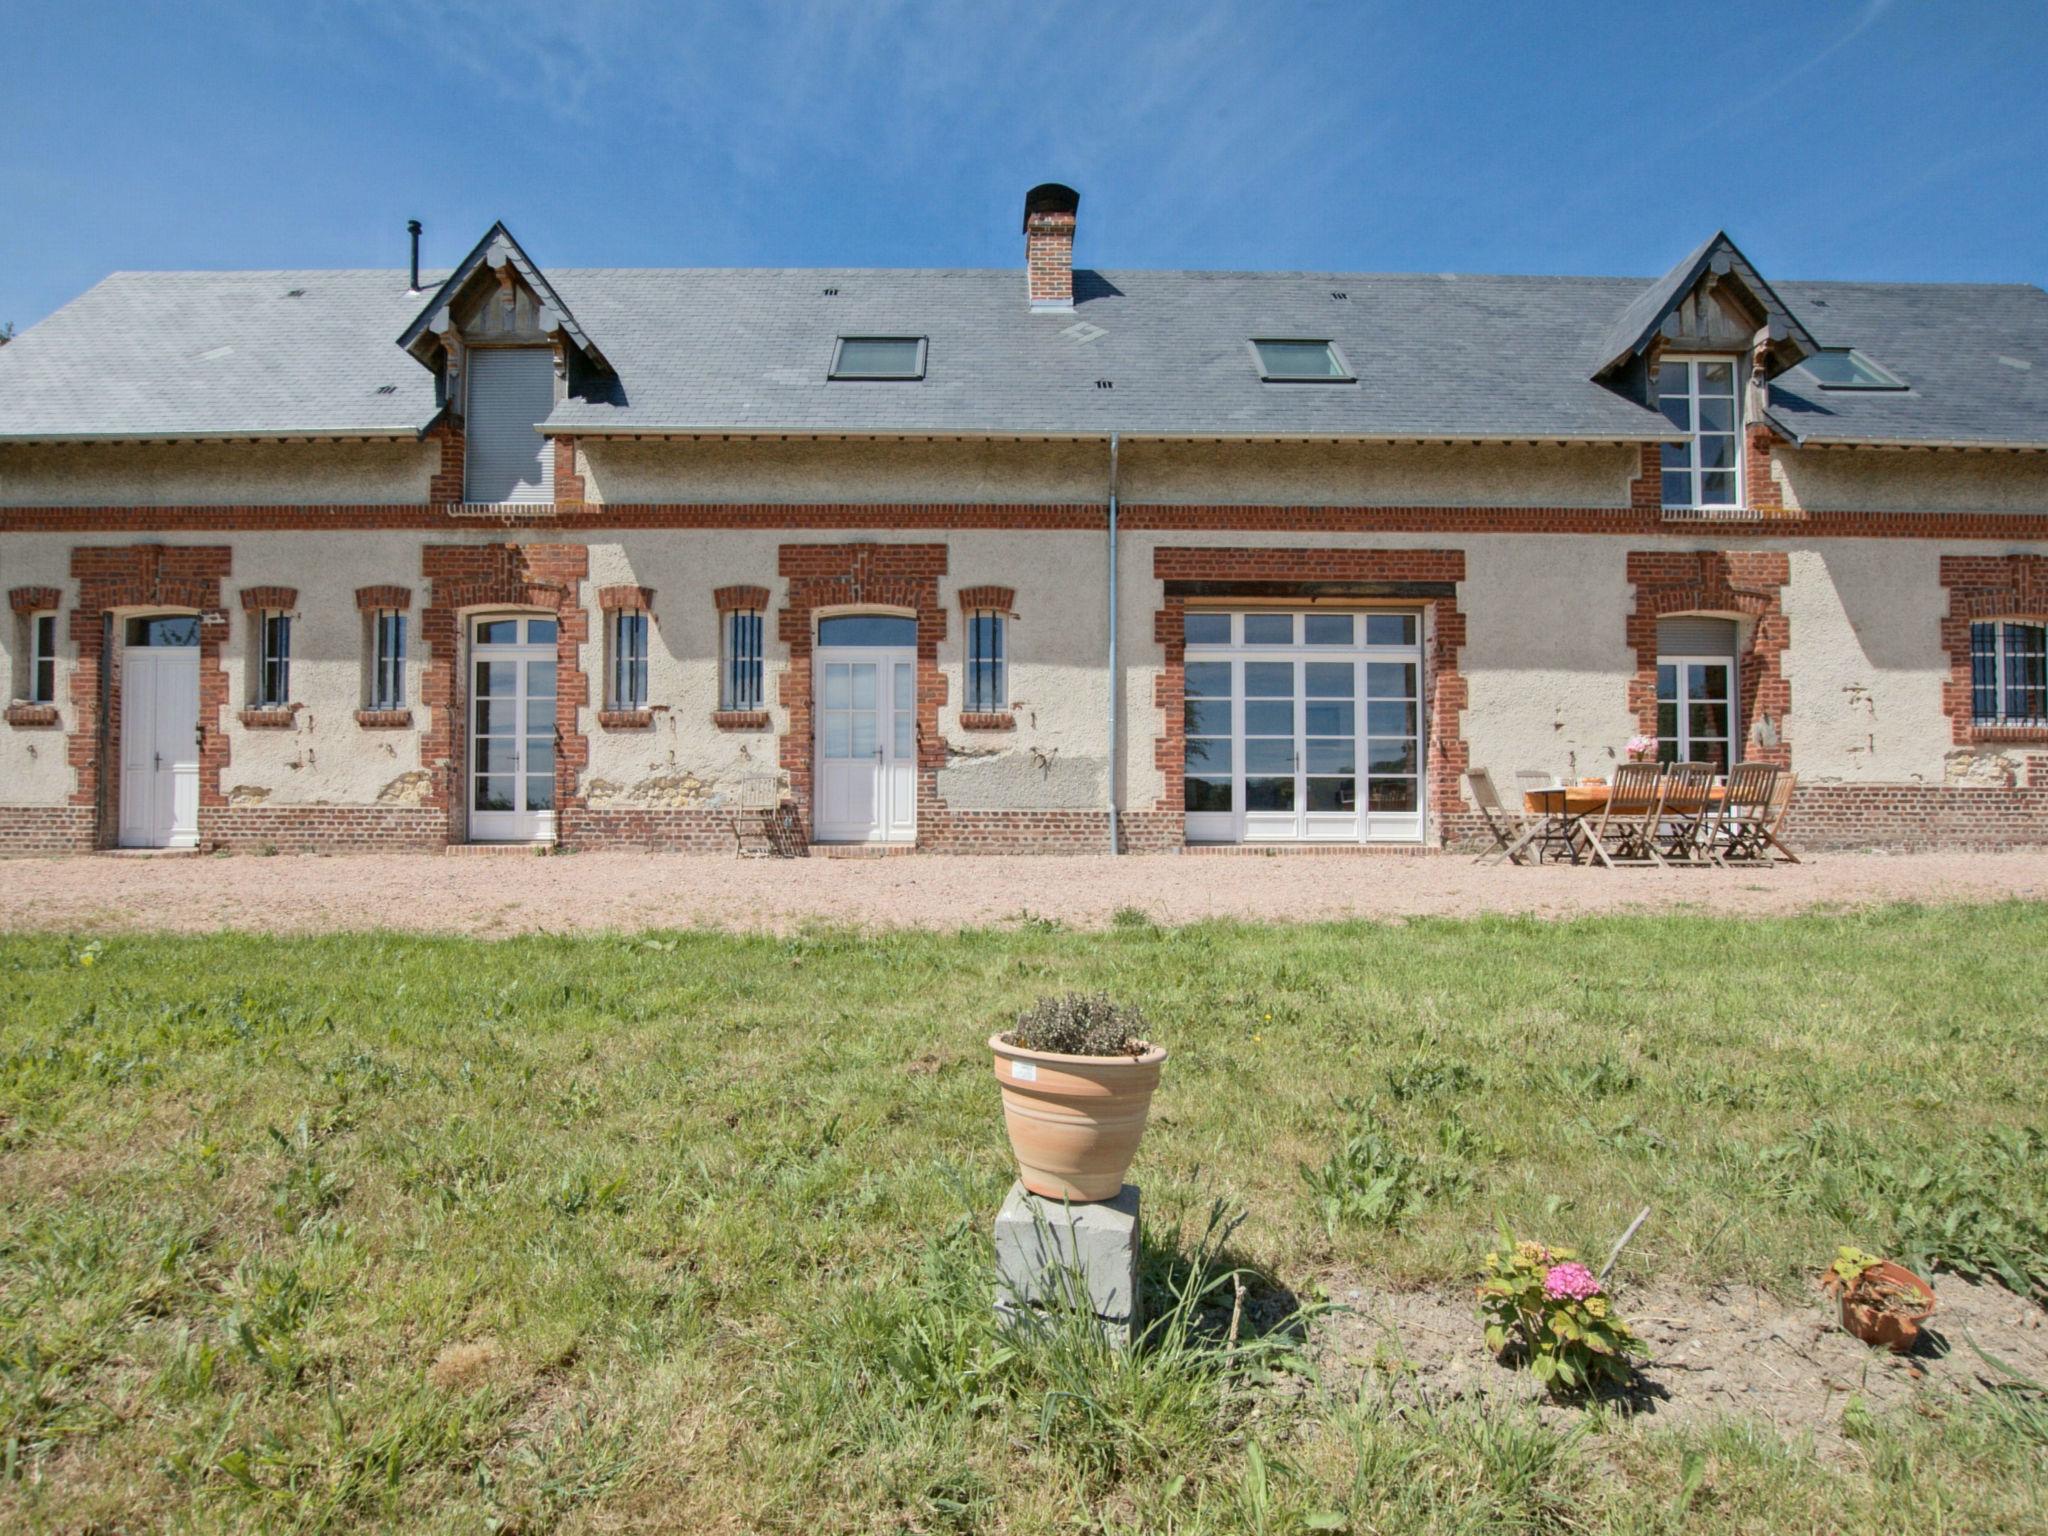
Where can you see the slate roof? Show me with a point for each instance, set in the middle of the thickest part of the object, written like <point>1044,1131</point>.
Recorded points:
<point>1437,356</point>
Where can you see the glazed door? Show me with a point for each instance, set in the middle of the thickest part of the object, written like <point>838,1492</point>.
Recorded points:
<point>512,731</point>
<point>866,745</point>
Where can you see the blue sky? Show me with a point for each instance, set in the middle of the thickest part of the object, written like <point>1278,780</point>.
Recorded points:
<point>1869,138</point>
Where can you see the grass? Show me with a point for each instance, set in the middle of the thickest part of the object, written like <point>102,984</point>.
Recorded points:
<point>690,1231</point>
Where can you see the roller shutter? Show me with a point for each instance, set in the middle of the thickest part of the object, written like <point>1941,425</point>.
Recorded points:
<point>1691,635</point>
<point>511,389</point>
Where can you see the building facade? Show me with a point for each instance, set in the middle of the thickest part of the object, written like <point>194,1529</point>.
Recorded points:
<point>975,561</point>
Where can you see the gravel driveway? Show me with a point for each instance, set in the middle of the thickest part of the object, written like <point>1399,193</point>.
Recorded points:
<point>502,893</point>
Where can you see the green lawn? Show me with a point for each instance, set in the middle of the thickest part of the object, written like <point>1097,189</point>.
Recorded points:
<point>689,1231</point>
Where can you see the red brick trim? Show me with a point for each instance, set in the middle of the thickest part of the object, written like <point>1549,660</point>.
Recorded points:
<point>741,719</point>
<point>732,599</point>
<point>32,714</point>
<point>1750,585</point>
<point>625,719</point>
<point>270,717</point>
<point>1761,489</point>
<point>904,577</point>
<point>1646,491</point>
<point>629,599</point>
<point>1986,587</point>
<point>569,496</point>
<point>462,578</point>
<point>384,719</point>
<point>1443,684</point>
<point>34,599</point>
<point>143,576</point>
<point>278,599</point>
<point>371,599</point>
<point>989,599</point>
<point>988,720</point>
<point>444,487</point>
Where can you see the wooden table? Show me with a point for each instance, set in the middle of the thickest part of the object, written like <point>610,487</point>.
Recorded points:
<point>1559,810</point>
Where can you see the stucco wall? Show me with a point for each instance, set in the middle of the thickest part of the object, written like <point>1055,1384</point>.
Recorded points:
<point>34,769</point>
<point>1891,480</point>
<point>215,473</point>
<point>1379,474</point>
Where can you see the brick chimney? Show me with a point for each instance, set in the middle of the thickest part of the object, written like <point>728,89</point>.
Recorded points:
<point>1049,245</point>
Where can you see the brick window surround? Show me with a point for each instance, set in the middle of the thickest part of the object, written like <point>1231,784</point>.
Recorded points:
<point>825,578</point>
<point>737,600</point>
<point>24,601</point>
<point>372,599</point>
<point>988,599</point>
<point>1313,573</point>
<point>1986,587</point>
<point>625,599</point>
<point>1749,585</point>
<point>464,579</point>
<point>142,578</point>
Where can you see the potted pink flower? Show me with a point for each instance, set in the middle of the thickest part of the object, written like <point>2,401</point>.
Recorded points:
<point>1641,749</point>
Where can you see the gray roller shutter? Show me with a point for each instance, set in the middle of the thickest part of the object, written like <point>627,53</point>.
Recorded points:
<point>510,390</point>
<point>1690,635</point>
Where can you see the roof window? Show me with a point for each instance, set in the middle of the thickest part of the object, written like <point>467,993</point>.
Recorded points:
<point>1846,368</point>
<point>1301,362</point>
<point>878,357</point>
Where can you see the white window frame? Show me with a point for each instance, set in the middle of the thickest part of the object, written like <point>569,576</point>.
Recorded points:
<point>993,671</point>
<point>387,661</point>
<point>1692,360</point>
<point>629,633</point>
<point>273,688</point>
<point>1999,660</point>
<point>41,658</point>
<point>742,660</point>
<point>1682,708</point>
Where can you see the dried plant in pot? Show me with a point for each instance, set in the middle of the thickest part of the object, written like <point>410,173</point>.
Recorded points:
<point>1077,1074</point>
<point>1882,1302</point>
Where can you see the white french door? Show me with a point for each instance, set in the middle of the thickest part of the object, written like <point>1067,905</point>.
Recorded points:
<point>1303,727</point>
<point>160,734</point>
<point>512,730</point>
<point>1695,710</point>
<point>866,708</point>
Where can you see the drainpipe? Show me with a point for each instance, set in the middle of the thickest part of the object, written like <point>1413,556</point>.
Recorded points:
<point>1114,681</point>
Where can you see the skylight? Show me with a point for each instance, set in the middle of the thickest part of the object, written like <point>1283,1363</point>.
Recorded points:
<point>1301,362</point>
<point>878,357</point>
<point>1846,368</point>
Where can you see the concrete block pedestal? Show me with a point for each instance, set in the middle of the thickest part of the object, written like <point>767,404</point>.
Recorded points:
<point>1053,1254</point>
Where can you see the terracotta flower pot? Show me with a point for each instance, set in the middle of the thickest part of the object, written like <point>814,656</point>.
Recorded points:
<point>1074,1121</point>
<point>1867,1314</point>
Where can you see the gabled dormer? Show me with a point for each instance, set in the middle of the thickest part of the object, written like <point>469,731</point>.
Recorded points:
<point>504,348</point>
<point>1700,345</point>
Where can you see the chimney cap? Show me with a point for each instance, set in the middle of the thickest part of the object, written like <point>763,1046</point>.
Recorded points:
<point>1050,197</point>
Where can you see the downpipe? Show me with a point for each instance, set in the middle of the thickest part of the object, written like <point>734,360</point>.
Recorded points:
<point>1115,680</point>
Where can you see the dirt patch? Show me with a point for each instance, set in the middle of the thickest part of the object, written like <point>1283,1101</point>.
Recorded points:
<point>1729,1353</point>
<point>515,893</point>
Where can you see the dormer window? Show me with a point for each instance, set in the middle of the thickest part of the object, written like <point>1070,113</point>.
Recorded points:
<point>1700,397</point>
<point>878,357</point>
<point>511,392</point>
<point>1301,362</point>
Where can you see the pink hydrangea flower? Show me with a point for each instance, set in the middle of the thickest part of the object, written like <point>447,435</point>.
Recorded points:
<point>1570,1282</point>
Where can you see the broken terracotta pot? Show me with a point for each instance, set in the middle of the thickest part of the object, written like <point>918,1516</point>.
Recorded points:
<point>1886,1304</point>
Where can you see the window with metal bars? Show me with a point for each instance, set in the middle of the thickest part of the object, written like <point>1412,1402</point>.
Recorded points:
<point>739,686</point>
<point>387,659</point>
<point>274,665</point>
<point>2009,672</point>
<point>629,659</point>
<point>42,658</point>
<point>988,689</point>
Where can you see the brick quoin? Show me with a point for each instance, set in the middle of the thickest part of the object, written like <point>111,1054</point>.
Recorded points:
<point>142,578</point>
<point>463,579</point>
<point>1443,685</point>
<point>568,484</point>
<point>904,577</point>
<point>1986,587</point>
<point>1744,585</point>
<point>445,486</point>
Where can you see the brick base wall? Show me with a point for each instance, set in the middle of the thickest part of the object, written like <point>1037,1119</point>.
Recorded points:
<point>46,829</point>
<point>324,829</point>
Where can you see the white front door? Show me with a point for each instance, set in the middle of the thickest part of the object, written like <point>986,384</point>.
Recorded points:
<point>160,735</point>
<point>866,744</point>
<point>512,730</point>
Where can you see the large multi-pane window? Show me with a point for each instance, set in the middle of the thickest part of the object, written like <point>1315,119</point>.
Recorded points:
<point>628,689</point>
<point>1703,458</point>
<point>988,685</point>
<point>739,671</point>
<point>274,663</point>
<point>2009,672</point>
<point>387,659</point>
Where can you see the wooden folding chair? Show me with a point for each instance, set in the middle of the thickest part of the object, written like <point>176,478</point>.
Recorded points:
<point>1626,832</point>
<point>1742,831</point>
<point>1511,829</point>
<point>1687,812</point>
<point>756,811</point>
<point>1781,807</point>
